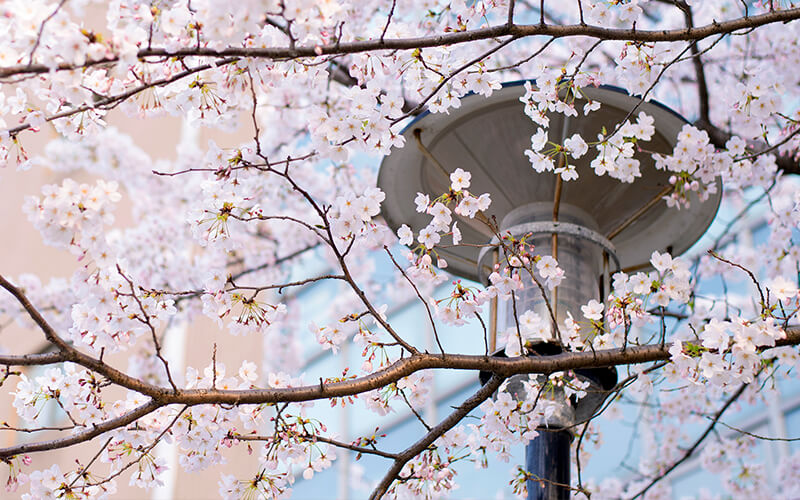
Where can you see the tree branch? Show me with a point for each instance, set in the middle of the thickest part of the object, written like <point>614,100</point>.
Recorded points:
<point>454,418</point>
<point>86,435</point>
<point>321,439</point>
<point>702,85</point>
<point>438,40</point>
<point>787,163</point>
<point>417,361</point>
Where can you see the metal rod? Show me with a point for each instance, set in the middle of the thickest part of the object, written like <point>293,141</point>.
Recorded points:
<point>606,285</point>
<point>556,207</point>
<point>557,196</point>
<point>493,311</point>
<point>428,154</point>
<point>637,267</point>
<point>562,160</point>
<point>647,206</point>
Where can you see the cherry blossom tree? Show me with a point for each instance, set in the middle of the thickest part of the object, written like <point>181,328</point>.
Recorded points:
<point>324,88</point>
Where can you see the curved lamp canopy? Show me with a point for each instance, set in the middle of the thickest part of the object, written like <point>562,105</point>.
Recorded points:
<point>488,137</point>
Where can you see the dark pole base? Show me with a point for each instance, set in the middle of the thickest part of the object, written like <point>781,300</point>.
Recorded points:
<point>547,461</point>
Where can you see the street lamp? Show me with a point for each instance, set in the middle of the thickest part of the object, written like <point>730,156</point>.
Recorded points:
<point>590,224</point>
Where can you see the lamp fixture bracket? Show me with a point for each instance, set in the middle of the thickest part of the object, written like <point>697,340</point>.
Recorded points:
<point>550,227</point>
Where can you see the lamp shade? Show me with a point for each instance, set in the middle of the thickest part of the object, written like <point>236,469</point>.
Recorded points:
<point>488,137</point>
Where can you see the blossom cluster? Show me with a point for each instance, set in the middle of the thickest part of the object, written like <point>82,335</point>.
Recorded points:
<point>730,352</point>
<point>442,223</point>
<point>353,214</point>
<point>72,390</point>
<point>615,148</point>
<point>72,216</point>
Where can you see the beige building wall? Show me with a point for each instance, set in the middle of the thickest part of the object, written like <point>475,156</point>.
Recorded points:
<point>22,251</point>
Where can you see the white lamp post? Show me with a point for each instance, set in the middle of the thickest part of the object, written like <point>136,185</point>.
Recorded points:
<point>590,224</point>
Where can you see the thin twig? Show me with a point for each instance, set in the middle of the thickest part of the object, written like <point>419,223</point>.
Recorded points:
<point>321,439</point>
<point>419,295</point>
<point>688,453</point>
<point>454,418</point>
<point>82,470</point>
<point>749,273</point>
<point>41,30</point>
<point>388,20</point>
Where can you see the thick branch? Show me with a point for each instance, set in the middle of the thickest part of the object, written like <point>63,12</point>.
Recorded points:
<point>718,137</point>
<point>81,437</point>
<point>47,358</point>
<point>35,315</point>
<point>518,31</point>
<point>424,361</point>
<point>699,69</point>
<point>402,368</point>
